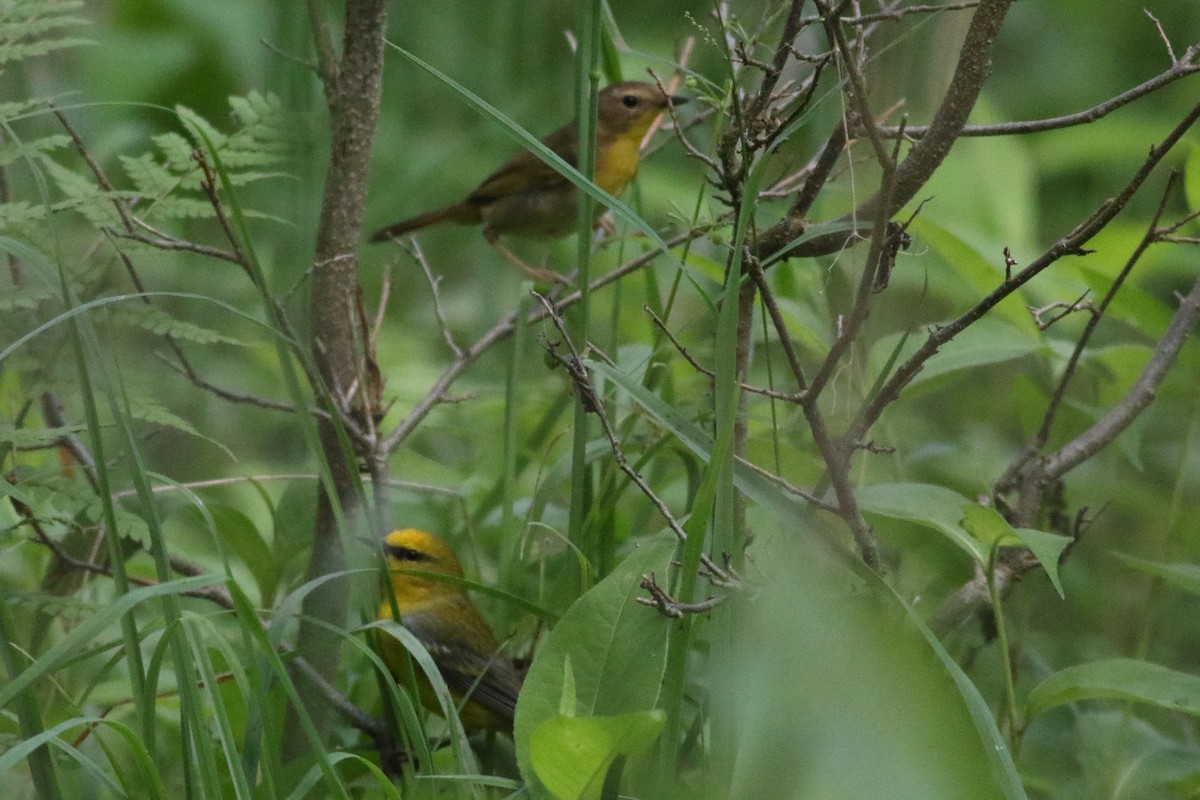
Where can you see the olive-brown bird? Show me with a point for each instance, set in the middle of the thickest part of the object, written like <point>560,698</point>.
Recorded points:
<point>527,197</point>
<point>442,617</point>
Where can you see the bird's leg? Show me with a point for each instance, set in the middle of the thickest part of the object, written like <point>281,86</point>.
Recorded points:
<point>605,225</point>
<point>532,273</point>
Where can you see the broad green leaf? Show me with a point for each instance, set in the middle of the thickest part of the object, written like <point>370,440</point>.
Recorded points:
<point>933,506</point>
<point>988,341</point>
<point>244,541</point>
<point>986,525</point>
<point>1047,548</point>
<point>1181,576</point>
<point>1117,679</point>
<point>616,646</point>
<point>979,272</point>
<point>835,665</point>
<point>991,529</point>
<point>572,755</point>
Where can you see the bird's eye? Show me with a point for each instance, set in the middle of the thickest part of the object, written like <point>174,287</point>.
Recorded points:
<point>406,554</point>
<point>630,100</point>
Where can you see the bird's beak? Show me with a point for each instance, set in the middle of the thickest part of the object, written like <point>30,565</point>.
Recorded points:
<point>678,99</point>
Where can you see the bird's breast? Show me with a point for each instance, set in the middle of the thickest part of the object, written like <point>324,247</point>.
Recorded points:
<point>617,164</point>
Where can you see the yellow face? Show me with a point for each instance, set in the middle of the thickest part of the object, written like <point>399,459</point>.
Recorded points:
<point>629,108</point>
<point>417,550</point>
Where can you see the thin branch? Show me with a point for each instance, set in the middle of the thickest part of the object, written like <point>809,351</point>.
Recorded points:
<point>215,594</point>
<point>1162,35</point>
<point>819,176</point>
<point>504,328</point>
<point>1182,68</point>
<point>185,368</point>
<point>592,401</point>
<point>1140,395</point>
<point>790,397</point>
<point>163,241</point>
<point>1060,391</point>
<point>856,84</point>
<point>685,55</point>
<point>670,607</point>
<point>923,159</point>
<point>896,15</point>
<point>414,249</point>
<point>1070,244</point>
<point>1064,308</point>
<point>378,729</point>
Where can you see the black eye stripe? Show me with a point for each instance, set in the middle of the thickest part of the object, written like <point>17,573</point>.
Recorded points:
<point>406,554</point>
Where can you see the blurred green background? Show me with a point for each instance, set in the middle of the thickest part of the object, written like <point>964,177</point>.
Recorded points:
<point>957,430</point>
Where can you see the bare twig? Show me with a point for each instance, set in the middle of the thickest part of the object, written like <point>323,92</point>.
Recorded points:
<point>1022,464</point>
<point>669,606</point>
<point>790,397</point>
<point>504,328</point>
<point>163,241</point>
<point>1140,395</point>
<point>414,249</point>
<point>898,14</point>
<point>592,401</point>
<point>1070,244</point>
<point>855,84</point>
<point>923,159</point>
<point>1064,308</point>
<point>1179,69</point>
<point>215,594</point>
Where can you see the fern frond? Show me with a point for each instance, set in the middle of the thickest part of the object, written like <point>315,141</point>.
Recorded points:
<point>262,143</point>
<point>157,321</point>
<point>31,28</point>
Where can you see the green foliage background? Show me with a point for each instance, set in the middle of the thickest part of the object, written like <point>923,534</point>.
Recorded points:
<point>835,692</point>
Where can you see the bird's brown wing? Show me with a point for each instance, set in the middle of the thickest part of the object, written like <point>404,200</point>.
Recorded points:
<point>525,172</point>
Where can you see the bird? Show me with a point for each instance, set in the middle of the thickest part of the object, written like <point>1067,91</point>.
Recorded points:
<point>445,620</point>
<point>526,197</point>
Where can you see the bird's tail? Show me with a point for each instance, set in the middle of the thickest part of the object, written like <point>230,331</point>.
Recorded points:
<point>459,212</point>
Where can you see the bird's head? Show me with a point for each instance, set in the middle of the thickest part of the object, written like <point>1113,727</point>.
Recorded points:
<point>629,107</point>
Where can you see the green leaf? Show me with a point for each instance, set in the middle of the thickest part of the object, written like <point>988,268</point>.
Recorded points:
<point>74,641</point>
<point>566,703</point>
<point>157,321</point>
<point>933,506</point>
<point>149,177</point>
<point>33,148</point>
<point>835,664</point>
<point>572,755</point>
<point>157,414</point>
<point>986,525</point>
<point>1117,679</point>
<point>1047,548</point>
<point>30,438</point>
<point>616,648</point>
<point>1191,177</point>
<point>988,341</point>
<point>758,487</point>
<point>1181,576</point>
<point>239,533</point>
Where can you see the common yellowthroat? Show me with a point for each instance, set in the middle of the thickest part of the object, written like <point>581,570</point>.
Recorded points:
<point>527,197</point>
<point>444,619</point>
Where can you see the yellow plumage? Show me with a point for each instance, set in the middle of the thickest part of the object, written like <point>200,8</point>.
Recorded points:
<point>445,620</point>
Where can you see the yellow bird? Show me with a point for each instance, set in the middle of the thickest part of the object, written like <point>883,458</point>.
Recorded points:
<point>527,197</point>
<point>443,618</point>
